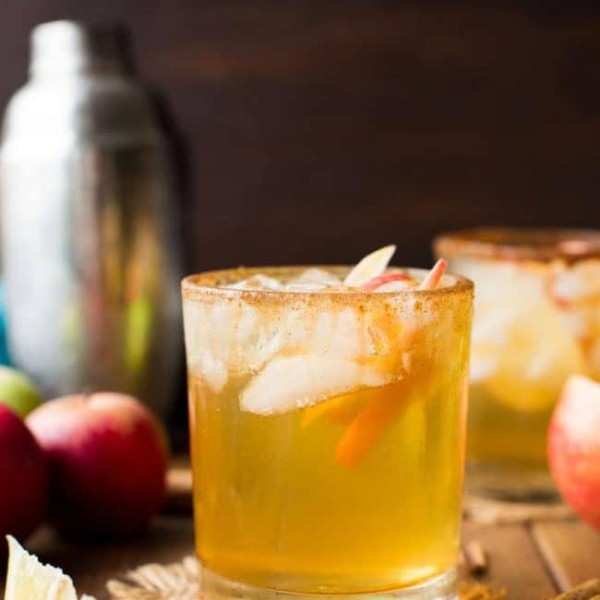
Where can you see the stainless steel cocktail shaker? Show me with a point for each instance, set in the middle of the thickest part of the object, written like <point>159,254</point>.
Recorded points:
<point>90,240</point>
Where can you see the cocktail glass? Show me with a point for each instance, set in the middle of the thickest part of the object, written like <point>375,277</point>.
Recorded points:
<point>537,321</point>
<point>327,431</point>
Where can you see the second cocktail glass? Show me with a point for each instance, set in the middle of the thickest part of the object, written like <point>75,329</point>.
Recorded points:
<point>327,431</point>
<point>537,322</point>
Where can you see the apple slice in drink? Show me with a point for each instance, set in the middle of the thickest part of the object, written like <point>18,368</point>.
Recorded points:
<point>334,409</point>
<point>380,280</point>
<point>434,277</point>
<point>341,409</point>
<point>431,281</point>
<point>372,422</point>
<point>370,266</point>
<point>377,415</point>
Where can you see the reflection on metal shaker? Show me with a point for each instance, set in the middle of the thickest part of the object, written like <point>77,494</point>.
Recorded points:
<point>90,246</point>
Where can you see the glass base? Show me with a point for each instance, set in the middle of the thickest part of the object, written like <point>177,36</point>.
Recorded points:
<point>215,587</point>
<point>511,484</point>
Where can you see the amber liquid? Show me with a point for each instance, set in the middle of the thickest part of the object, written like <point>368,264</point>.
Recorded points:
<point>526,344</point>
<point>277,507</point>
<point>506,436</point>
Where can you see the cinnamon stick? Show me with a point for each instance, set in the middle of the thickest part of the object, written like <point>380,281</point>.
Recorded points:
<point>476,558</point>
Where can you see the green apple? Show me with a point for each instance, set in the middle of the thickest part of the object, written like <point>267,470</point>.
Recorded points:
<point>18,392</point>
<point>138,338</point>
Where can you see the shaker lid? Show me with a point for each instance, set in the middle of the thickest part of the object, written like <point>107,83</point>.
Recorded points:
<point>70,46</point>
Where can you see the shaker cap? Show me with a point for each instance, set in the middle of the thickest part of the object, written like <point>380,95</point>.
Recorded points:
<point>64,47</point>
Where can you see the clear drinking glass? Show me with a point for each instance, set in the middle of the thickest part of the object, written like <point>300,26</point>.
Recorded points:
<point>537,321</point>
<point>327,435</point>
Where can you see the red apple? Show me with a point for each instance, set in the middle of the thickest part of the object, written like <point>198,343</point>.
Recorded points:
<point>108,461</point>
<point>574,447</point>
<point>23,479</point>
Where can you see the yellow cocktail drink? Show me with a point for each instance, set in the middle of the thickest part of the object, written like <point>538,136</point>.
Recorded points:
<point>537,321</point>
<point>327,429</point>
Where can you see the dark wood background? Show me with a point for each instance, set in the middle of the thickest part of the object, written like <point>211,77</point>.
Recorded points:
<point>315,131</point>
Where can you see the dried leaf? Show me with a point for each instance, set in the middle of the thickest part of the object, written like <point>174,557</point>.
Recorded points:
<point>176,581</point>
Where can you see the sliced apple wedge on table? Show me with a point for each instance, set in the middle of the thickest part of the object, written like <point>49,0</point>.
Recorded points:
<point>28,579</point>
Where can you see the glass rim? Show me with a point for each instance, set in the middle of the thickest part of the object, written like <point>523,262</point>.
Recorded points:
<point>207,282</point>
<point>520,243</point>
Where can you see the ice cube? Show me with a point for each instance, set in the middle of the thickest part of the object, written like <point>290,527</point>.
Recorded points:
<point>337,332</point>
<point>227,336</point>
<point>594,359</point>
<point>346,335</point>
<point>317,276</point>
<point>201,360</point>
<point>257,282</point>
<point>482,367</point>
<point>196,328</point>
<point>211,370</point>
<point>532,356</point>
<point>240,338</point>
<point>292,382</point>
<point>578,282</point>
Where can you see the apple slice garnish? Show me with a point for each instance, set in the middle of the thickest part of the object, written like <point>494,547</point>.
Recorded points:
<point>371,423</point>
<point>434,276</point>
<point>341,410</point>
<point>387,403</point>
<point>370,266</point>
<point>377,282</point>
<point>27,577</point>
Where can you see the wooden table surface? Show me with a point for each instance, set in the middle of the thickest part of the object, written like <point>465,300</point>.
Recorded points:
<point>531,554</point>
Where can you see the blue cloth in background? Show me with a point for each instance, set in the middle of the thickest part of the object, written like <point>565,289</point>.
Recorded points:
<point>4,356</point>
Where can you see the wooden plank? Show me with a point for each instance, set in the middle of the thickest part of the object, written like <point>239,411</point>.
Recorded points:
<point>570,549</point>
<point>514,562</point>
<point>488,510</point>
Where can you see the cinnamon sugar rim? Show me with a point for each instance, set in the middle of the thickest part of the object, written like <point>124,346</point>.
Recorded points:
<point>211,282</point>
<point>503,243</point>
